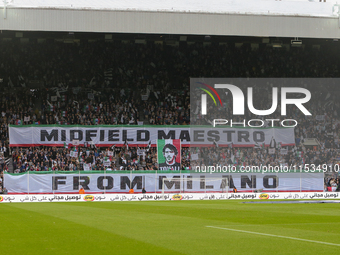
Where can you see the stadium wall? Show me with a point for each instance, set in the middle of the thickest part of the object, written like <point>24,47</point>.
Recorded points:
<point>159,197</point>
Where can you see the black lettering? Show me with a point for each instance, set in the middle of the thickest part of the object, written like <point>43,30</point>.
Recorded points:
<point>79,136</point>
<point>63,135</point>
<point>214,135</point>
<point>89,134</point>
<point>102,135</point>
<point>258,136</point>
<point>266,181</point>
<point>170,135</point>
<point>125,138</point>
<point>169,183</point>
<point>189,182</point>
<point>198,134</point>
<point>243,135</point>
<point>125,182</point>
<point>202,182</point>
<point>228,135</point>
<point>146,134</point>
<point>56,180</point>
<point>53,135</point>
<point>246,181</point>
<point>100,182</point>
<point>111,135</point>
<point>185,136</point>
<point>230,180</point>
<point>224,183</point>
<point>82,181</point>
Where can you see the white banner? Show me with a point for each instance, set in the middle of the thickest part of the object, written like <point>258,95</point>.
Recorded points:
<point>140,152</point>
<point>170,196</point>
<point>194,156</point>
<point>271,151</point>
<point>74,154</point>
<point>57,135</point>
<point>107,163</point>
<point>87,167</point>
<point>69,182</point>
<point>284,151</point>
<point>75,142</point>
<point>320,117</point>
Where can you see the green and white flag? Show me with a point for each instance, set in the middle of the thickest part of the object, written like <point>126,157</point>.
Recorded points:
<point>299,154</point>
<point>169,154</point>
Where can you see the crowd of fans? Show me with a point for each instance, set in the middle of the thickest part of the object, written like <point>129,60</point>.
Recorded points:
<point>120,83</point>
<point>77,109</point>
<point>285,156</point>
<point>332,184</point>
<point>110,159</point>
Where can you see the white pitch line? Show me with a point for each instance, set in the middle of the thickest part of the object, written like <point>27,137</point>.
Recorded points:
<point>264,234</point>
<point>280,224</point>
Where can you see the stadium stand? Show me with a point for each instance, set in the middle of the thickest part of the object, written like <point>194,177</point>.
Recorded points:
<point>102,83</point>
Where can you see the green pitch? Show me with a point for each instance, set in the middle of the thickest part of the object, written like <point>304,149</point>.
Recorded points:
<point>169,227</point>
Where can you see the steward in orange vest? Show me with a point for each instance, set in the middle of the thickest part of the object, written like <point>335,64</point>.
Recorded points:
<point>81,191</point>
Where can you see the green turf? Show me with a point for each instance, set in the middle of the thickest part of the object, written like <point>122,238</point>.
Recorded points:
<point>168,227</point>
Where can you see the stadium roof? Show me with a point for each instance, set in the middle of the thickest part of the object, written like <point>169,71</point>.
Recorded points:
<point>214,17</point>
<point>255,7</point>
